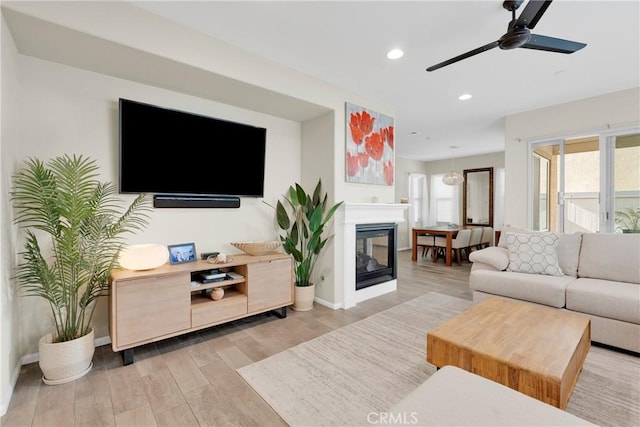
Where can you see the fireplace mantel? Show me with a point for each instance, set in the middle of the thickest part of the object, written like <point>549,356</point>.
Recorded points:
<point>365,213</point>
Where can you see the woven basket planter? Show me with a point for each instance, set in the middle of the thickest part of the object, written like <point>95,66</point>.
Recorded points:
<point>66,361</point>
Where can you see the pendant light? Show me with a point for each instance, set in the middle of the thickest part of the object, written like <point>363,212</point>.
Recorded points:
<point>453,177</point>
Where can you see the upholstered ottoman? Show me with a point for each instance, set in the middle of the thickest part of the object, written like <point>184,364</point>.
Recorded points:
<point>455,397</point>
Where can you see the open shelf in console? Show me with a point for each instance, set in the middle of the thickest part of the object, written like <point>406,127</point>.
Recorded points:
<point>239,270</point>
<point>206,311</point>
<point>220,284</point>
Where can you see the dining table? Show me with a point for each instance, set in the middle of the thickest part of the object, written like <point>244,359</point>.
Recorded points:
<point>449,232</point>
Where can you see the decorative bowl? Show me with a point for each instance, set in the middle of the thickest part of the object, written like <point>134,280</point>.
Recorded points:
<point>257,248</point>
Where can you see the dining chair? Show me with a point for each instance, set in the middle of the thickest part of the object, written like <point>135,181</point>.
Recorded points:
<point>426,241</point>
<point>476,238</point>
<point>459,244</point>
<point>485,241</point>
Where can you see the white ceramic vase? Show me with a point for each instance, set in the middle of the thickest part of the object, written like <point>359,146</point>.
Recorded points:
<point>66,361</point>
<point>303,297</point>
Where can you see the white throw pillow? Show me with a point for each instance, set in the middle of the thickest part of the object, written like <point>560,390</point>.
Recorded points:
<point>535,253</point>
<point>502,242</point>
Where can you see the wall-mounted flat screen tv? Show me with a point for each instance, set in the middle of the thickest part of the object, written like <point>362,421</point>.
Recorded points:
<point>165,151</point>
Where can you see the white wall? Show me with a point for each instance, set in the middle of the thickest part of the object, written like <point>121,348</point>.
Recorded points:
<point>317,159</point>
<point>9,351</point>
<point>68,110</point>
<point>574,119</point>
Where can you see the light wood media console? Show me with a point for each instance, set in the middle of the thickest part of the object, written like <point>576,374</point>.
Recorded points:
<point>152,305</point>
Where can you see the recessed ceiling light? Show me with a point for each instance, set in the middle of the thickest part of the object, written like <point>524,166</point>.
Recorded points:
<point>464,97</point>
<point>395,54</point>
<point>417,133</point>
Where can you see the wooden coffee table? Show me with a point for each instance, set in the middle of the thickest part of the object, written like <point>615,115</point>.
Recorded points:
<point>536,350</point>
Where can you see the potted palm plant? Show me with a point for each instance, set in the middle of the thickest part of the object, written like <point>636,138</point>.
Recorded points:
<point>64,201</point>
<point>629,220</point>
<point>302,218</point>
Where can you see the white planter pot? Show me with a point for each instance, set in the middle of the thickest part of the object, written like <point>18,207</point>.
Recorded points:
<point>303,297</point>
<point>66,361</point>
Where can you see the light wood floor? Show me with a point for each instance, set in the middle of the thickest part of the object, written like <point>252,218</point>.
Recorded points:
<point>191,380</point>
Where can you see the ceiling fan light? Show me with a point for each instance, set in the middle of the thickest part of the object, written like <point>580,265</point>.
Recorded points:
<point>452,178</point>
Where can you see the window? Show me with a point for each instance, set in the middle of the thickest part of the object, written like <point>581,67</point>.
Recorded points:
<point>418,198</point>
<point>445,205</point>
<point>580,184</point>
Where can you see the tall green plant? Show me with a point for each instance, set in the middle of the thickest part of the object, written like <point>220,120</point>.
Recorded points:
<point>629,219</point>
<point>64,199</point>
<point>303,221</point>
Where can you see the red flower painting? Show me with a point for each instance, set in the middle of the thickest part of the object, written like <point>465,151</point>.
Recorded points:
<point>352,164</point>
<point>361,124</point>
<point>388,172</point>
<point>364,159</point>
<point>370,146</point>
<point>374,145</point>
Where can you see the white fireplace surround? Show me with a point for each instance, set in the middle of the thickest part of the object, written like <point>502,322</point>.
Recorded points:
<point>365,213</point>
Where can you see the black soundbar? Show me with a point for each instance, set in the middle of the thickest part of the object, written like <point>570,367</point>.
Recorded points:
<point>171,201</point>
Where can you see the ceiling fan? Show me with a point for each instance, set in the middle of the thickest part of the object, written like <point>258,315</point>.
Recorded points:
<point>518,34</point>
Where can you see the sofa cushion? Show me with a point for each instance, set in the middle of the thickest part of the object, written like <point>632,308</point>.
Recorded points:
<point>496,257</point>
<point>569,252</point>
<point>610,256</point>
<point>534,253</point>
<point>604,298</point>
<point>547,290</point>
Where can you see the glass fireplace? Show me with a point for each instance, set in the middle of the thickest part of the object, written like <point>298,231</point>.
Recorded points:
<point>376,254</point>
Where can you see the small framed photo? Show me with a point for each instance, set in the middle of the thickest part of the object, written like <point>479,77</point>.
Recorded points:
<point>184,252</point>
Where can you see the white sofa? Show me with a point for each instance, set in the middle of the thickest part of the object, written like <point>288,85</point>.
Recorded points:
<point>599,276</point>
<point>455,397</point>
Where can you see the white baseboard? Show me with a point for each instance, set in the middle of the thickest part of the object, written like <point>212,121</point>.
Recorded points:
<point>4,405</point>
<point>34,357</point>
<point>331,305</point>
<point>103,341</point>
<point>29,358</point>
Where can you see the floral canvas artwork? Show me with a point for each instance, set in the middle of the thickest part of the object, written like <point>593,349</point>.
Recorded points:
<point>369,148</point>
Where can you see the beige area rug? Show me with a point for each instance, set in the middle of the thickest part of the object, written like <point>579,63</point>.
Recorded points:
<point>340,377</point>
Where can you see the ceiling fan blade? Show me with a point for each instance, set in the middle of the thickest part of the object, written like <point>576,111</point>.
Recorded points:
<point>552,44</point>
<point>532,13</point>
<point>464,56</point>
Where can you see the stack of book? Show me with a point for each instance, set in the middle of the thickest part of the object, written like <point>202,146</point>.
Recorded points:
<point>214,275</point>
